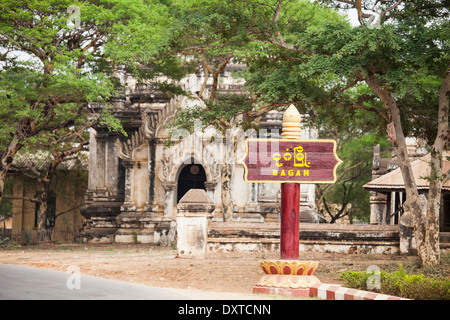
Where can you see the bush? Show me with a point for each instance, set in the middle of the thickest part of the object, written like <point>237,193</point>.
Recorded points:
<point>400,283</point>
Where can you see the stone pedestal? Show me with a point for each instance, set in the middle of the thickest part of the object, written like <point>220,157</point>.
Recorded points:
<point>194,213</point>
<point>287,277</point>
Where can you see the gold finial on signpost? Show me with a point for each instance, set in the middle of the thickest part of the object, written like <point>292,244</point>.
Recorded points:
<point>291,123</point>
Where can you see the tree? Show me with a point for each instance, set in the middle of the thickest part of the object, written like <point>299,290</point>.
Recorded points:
<point>210,35</point>
<point>395,58</point>
<point>45,157</point>
<point>56,60</point>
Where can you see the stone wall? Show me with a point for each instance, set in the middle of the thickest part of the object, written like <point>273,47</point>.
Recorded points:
<point>375,239</point>
<point>69,198</point>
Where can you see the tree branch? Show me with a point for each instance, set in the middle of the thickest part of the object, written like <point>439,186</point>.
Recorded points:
<point>328,187</point>
<point>66,211</point>
<point>216,76</point>
<point>360,13</point>
<point>391,8</point>
<point>34,200</point>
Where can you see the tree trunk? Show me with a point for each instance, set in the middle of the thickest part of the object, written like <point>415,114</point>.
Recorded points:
<point>58,157</point>
<point>425,224</point>
<point>43,207</point>
<point>227,201</point>
<point>42,214</point>
<point>426,230</point>
<point>436,177</point>
<point>226,175</point>
<point>6,160</point>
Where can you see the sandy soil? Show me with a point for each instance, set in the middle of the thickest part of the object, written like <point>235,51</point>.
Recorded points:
<point>159,266</point>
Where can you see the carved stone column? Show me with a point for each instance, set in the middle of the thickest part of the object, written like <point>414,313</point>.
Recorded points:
<point>128,204</point>
<point>378,207</point>
<point>100,192</point>
<point>169,187</point>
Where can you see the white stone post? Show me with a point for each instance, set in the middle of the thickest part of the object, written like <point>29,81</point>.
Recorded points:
<point>194,214</point>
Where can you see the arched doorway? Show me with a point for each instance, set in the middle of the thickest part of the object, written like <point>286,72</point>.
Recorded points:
<point>192,176</point>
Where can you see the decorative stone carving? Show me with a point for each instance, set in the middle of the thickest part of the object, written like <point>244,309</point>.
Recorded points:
<point>169,187</point>
<point>149,123</point>
<point>164,166</point>
<point>190,149</point>
<point>125,149</point>
<point>128,204</point>
<point>210,186</point>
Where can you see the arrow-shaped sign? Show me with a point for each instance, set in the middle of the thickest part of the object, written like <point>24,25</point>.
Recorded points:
<point>285,160</point>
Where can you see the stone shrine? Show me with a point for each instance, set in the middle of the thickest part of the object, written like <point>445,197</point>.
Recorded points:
<point>136,181</point>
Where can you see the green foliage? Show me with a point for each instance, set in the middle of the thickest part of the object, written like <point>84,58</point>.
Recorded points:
<point>400,283</point>
<point>55,62</point>
<point>356,132</point>
<point>219,113</point>
<point>323,64</point>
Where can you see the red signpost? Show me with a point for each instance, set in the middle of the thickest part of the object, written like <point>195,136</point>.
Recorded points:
<point>289,161</point>
<point>290,217</point>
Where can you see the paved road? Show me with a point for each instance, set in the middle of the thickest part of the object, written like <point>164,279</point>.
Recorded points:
<point>27,283</point>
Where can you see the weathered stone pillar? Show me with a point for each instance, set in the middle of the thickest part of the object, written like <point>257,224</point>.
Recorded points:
<point>194,214</point>
<point>151,206</point>
<point>378,207</point>
<point>100,189</point>
<point>169,186</point>
<point>112,168</point>
<point>128,204</point>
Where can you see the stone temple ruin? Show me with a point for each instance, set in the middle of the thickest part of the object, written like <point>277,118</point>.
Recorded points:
<point>136,182</point>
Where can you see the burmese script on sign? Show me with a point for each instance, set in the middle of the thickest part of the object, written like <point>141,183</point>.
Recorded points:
<point>283,160</point>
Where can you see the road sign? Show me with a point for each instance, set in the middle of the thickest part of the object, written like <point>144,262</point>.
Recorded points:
<point>286,160</point>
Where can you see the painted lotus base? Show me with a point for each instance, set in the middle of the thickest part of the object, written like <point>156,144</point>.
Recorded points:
<point>287,277</point>
<point>289,267</point>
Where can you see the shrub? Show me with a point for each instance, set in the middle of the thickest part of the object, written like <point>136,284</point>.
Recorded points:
<point>400,284</point>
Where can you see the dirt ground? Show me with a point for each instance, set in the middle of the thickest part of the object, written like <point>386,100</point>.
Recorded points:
<point>159,266</point>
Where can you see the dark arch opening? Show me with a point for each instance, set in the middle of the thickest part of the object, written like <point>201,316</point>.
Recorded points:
<point>192,176</point>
